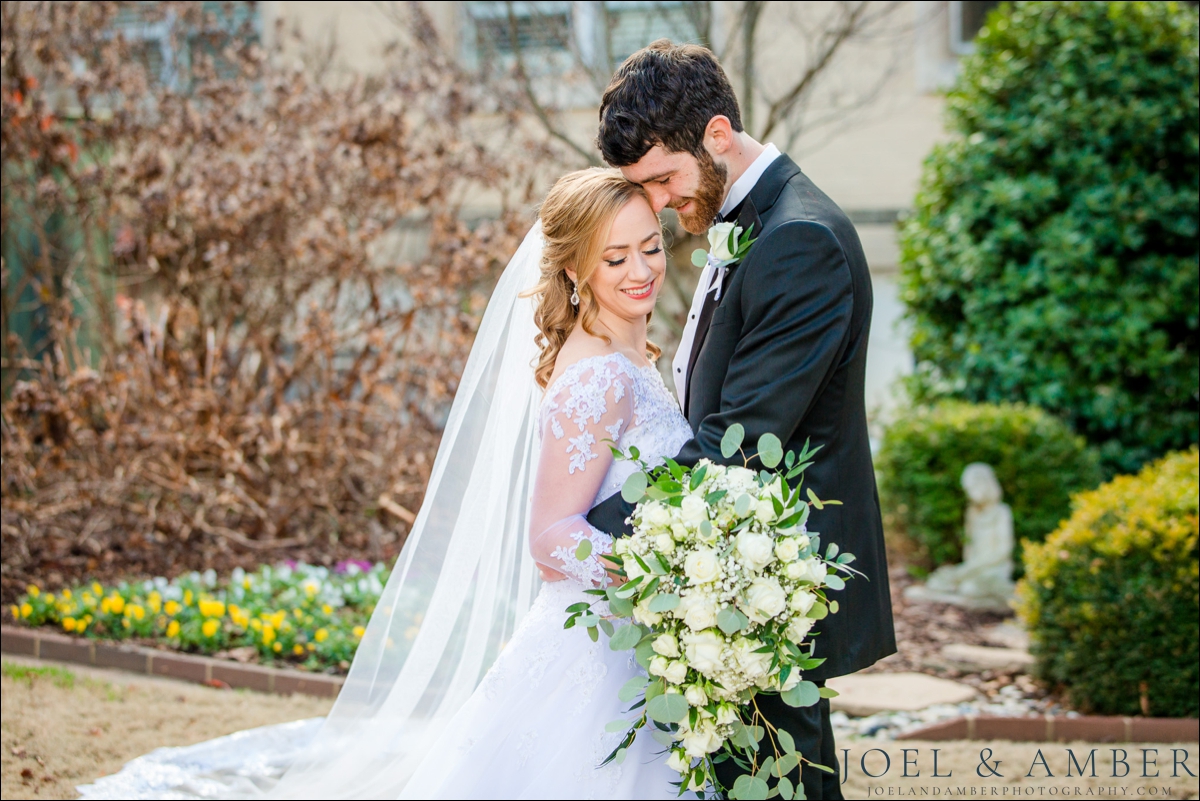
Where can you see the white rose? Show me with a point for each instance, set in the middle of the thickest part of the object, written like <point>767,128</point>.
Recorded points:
<point>704,651</point>
<point>802,601</point>
<point>621,546</point>
<point>726,714</point>
<point>696,696</point>
<point>693,510</point>
<point>657,515</point>
<point>643,615</point>
<point>666,645</point>
<point>755,549</point>
<point>741,478</point>
<point>765,599</point>
<point>679,531</point>
<point>795,570</point>
<point>700,741</point>
<point>718,240</point>
<point>797,630</point>
<point>754,665</point>
<point>676,672</point>
<point>786,550</point>
<point>631,567</point>
<point>678,762</point>
<point>664,543</point>
<point>702,566</point>
<point>814,570</point>
<point>764,511</point>
<point>658,666</point>
<point>714,471</point>
<point>803,541</point>
<point>699,612</point>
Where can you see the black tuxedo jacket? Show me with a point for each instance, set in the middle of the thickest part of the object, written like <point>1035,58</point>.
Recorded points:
<point>785,351</point>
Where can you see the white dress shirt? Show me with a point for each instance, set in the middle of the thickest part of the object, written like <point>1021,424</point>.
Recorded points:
<point>737,193</point>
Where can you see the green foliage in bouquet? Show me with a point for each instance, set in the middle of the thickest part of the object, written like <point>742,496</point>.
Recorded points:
<point>1052,254</point>
<point>1112,597</point>
<point>1037,459</point>
<point>722,583</point>
<point>307,615</point>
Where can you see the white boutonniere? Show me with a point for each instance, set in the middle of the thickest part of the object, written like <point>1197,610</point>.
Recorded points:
<point>728,243</point>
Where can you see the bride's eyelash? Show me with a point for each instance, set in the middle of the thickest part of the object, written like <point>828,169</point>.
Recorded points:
<point>620,261</point>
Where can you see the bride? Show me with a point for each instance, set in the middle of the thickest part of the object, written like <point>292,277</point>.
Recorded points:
<point>465,684</point>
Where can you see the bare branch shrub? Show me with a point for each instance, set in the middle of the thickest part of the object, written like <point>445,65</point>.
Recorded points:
<point>245,294</point>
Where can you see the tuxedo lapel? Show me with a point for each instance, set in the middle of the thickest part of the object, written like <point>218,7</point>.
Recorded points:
<point>748,220</point>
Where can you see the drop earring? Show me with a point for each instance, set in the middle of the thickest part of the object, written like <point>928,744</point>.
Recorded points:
<point>575,294</point>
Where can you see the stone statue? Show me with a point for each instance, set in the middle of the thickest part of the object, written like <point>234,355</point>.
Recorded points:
<point>984,579</point>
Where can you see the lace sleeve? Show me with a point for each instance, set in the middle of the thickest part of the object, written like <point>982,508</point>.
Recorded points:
<point>584,410</point>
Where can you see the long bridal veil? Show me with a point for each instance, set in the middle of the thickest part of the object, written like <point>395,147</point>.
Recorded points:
<point>463,580</point>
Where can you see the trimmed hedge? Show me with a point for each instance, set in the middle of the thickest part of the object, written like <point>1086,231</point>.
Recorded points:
<point>1037,459</point>
<point>1052,256</point>
<point>1112,598</point>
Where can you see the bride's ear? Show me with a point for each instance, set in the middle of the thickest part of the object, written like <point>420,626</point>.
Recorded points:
<point>571,274</point>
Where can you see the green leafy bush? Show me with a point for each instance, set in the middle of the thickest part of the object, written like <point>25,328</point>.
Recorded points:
<point>1112,597</point>
<point>1052,254</point>
<point>1037,459</point>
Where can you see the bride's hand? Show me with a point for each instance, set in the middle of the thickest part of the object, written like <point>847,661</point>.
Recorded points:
<point>550,575</point>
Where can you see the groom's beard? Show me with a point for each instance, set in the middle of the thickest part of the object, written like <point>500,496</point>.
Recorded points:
<point>706,203</point>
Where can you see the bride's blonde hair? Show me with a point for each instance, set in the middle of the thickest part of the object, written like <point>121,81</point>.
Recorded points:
<point>576,217</point>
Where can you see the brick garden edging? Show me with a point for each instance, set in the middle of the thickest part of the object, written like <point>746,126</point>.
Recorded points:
<point>151,662</point>
<point>1058,728</point>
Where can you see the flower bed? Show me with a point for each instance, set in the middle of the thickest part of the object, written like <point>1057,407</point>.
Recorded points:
<point>304,615</point>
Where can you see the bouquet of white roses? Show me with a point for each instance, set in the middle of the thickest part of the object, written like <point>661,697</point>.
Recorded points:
<point>723,582</point>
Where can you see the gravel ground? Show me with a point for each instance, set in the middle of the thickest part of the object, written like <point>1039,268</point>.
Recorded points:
<point>64,727</point>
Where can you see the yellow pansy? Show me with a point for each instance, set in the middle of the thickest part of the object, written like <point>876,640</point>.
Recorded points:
<point>135,611</point>
<point>172,608</point>
<point>97,588</point>
<point>268,634</point>
<point>188,597</point>
<point>359,631</point>
<point>26,609</point>
<point>298,649</point>
<point>15,610</point>
<point>116,604</point>
<point>327,609</point>
<point>173,628</point>
<point>32,591</point>
<point>211,608</point>
<point>154,601</point>
<point>66,594</point>
<point>68,624</point>
<point>210,627</point>
<point>277,647</point>
<point>321,636</point>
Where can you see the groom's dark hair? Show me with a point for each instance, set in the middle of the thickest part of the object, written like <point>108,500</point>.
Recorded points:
<point>664,94</point>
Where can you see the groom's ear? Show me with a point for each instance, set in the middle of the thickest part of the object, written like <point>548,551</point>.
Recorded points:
<point>718,135</point>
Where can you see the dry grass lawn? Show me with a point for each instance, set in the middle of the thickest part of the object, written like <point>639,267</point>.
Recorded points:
<point>65,726</point>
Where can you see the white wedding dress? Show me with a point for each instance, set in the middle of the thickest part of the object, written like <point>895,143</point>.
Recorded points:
<point>465,684</point>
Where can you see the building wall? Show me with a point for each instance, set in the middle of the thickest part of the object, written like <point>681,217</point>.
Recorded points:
<point>868,160</point>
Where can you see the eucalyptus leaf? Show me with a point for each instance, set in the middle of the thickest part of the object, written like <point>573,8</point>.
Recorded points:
<point>643,654</point>
<point>786,742</point>
<point>662,737</point>
<point>731,621</point>
<point>732,440</point>
<point>705,529</point>
<point>632,688</point>
<point>584,550</point>
<point>634,488</point>
<point>803,694</point>
<point>770,450</point>
<point>819,611</point>
<point>620,757</point>
<point>829,692</point>
<point>835,582</point>
<point>625,638</point>
<point>812,497</point>
<point>667,708</point>
<point>699,257</point>
<point>741,506</point>
<point>832,550</point>
<point>621,607</point>
<point>833,607</point>
<point>785,788</point>
<point>664,602</point>
<point>787,763</point>
<point>764,770</point>
<point>606,626</point>
<point>618,725</point>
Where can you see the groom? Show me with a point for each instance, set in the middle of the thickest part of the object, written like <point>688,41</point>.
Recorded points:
<point>777,342</point>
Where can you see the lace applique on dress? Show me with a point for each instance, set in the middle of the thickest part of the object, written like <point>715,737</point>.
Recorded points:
<point>588,571</point>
